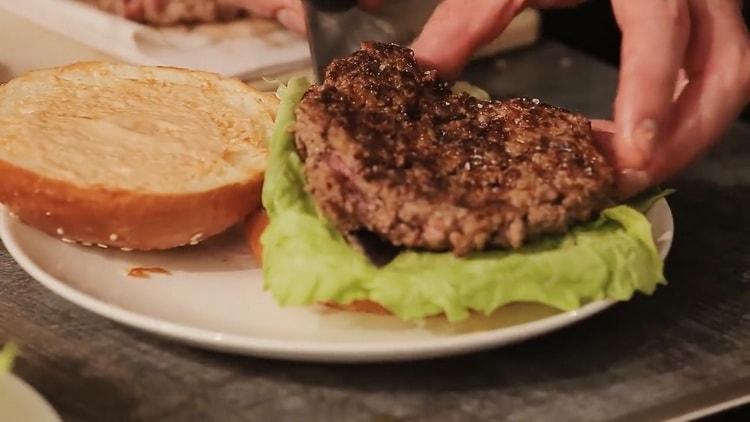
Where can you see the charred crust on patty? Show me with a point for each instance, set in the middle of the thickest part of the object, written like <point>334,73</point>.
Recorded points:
<point>388,148</point>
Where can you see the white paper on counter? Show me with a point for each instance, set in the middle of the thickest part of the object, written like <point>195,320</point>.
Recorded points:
<point>247,48</point>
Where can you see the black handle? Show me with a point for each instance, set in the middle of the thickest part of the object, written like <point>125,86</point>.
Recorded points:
<point>332,5</point>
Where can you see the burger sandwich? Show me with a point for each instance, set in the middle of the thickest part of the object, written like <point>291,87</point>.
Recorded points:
<point>387,191</point>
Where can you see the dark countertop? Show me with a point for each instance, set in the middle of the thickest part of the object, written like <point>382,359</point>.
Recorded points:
<point>689,343</point>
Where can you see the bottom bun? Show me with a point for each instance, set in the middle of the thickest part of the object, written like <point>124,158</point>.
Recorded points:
<point>257,222</point>
<point>124,219</point>
<point>360,306</point>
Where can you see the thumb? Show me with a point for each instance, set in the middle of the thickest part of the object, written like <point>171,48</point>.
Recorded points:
<point>457,28</point>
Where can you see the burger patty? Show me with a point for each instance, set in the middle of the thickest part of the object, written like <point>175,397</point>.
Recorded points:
<point>389,149</point>
<point>169,12</point>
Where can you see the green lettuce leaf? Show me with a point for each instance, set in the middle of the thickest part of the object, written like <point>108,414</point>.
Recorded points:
<point>7,355</point>
<point>473,90</point>
<point>306,260</point>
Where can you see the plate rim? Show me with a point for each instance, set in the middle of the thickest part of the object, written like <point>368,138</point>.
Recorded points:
<point>33,396</point>
<point>306,350</point>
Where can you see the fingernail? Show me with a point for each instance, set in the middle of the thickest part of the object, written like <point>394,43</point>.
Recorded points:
<point>643,138</point>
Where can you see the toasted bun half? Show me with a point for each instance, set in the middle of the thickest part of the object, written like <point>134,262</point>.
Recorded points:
<point>132,157</point>
<point>257,222</point>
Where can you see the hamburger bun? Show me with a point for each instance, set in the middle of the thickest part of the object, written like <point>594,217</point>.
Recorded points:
<point>257,222</point>
<point>132,157</point>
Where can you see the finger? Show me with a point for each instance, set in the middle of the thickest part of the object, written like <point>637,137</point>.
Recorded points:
<point>655,37</point>
<point>629,181</point>
<point>289,13</point>
<point>266,8</point>
<point>153,11</point>
<point>370,5</point>
<point>554,4</point>
<point>153,8</point>
<point>719,87</point>
<point>293,19</point>
<point>131,9</point>
<point>457,28</point>
<point>599,125</point>
<point>603,132</point>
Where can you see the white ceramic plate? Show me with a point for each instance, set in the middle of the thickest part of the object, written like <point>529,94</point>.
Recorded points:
<point>20,402</point>
<point>214,299</point>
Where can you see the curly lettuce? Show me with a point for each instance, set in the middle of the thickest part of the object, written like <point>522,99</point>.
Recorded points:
<point>7,355</point>
<point>306,260</point>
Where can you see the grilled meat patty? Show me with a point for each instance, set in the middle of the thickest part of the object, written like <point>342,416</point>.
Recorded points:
<point>390,149</point>
<point>169,12</point>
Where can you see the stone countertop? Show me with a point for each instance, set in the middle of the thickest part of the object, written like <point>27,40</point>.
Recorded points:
<point>686,347</point>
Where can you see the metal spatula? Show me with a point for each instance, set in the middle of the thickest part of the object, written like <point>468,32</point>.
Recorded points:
<point>337,27</point>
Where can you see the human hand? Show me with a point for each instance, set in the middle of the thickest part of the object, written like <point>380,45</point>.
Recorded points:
<point>459,27</point>
<point>289,13</point>
<point>684,77</point>
<point>170,12</point>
